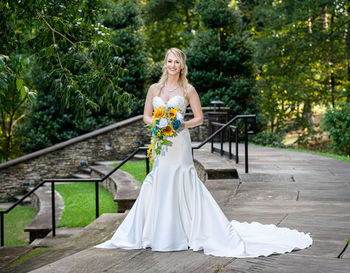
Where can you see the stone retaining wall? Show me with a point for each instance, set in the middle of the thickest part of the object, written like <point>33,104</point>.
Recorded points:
<point>113,142</point>
<point>200,133</point>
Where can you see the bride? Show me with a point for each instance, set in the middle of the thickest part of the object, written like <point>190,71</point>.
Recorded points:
<point>174,210</point>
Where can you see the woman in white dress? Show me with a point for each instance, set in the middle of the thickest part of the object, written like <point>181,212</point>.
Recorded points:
<point>174,210</point>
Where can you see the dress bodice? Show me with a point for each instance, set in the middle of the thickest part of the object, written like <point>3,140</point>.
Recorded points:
<point>177,101</point>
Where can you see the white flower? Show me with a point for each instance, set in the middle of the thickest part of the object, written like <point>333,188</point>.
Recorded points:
<point>103,34</point>
<point>179,116</point>
<point>99,32</point>
<point>100,42</point>
<point>162,123</point>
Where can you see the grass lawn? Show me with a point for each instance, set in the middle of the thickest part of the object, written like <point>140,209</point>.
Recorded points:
<point>15,221</point>
<point>136,168</point>
<point>79,203</point>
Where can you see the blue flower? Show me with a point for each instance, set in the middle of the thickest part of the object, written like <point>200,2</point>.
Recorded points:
<point>155,129</point>
<point>176,124</point>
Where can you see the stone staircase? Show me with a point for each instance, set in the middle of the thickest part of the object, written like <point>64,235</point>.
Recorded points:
<point>286,188</point>
<point>125,190</point>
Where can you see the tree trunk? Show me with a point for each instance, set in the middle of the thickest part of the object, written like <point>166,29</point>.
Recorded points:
<point>347,42</point>
<point>307,115</point>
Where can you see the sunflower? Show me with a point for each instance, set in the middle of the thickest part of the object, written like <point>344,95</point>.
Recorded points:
<point>158,113</point>
<point>172,113</point>
<point>168,130</point>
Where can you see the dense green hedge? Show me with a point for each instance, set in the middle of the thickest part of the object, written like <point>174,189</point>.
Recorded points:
<point>337,122</point>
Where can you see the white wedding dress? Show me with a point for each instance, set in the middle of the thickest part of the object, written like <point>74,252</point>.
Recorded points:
<point>175,211</point>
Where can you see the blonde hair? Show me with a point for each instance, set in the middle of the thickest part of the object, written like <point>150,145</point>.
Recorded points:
<point>183,82</point>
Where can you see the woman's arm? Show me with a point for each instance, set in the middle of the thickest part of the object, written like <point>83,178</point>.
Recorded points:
<point>148,110</point>
<point>196,109</point>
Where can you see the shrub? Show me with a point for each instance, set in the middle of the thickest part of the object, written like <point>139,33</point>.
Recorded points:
<point>337,122</point>
<point>268,139</point>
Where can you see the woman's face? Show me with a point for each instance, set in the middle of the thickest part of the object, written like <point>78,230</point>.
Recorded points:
<point>173,64</point>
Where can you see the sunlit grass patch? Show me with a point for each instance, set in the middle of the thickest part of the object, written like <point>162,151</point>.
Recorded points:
<point>14,224</point>
<point>79,203</point>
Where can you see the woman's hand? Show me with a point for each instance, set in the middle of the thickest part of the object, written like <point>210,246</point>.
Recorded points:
<point>183,126</point>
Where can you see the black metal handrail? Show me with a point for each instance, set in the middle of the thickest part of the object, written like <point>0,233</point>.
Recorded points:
<point>98,180</point>
<point>223,127</point>
<point>221,150</point>
<point>53,180</point>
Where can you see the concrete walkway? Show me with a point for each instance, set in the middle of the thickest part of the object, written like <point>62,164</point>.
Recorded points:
<point>290,189</point>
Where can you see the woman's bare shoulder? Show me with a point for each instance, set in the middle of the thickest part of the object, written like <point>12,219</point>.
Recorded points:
<point>153,88</point>
<point>190,89</point>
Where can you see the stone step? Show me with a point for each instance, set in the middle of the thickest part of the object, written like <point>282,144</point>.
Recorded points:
<point>140,156</point>
<point>63,246</point>
<point>26,201</point>
<point>81,175</point>
<point>124,187</point>
<point>5,206</point>
<point>42,223</point>
<point>86,170</point>
<point>229,173</point>
<point>216,166</point>
<point>105,163</point>
<point>9,254</point>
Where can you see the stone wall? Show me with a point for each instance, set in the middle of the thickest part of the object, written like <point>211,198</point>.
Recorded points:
<point>200,133</point>
<point>113,142</point>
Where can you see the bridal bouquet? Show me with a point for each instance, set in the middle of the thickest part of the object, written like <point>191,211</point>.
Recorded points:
<point>165,123</point>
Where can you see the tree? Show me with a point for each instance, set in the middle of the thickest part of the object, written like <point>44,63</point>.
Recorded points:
<point>220,58</point>
<point>14,96</point>
<point>48,123</point>
<point>84,64</point>
<point>300,49</point>
<point>169,24</point>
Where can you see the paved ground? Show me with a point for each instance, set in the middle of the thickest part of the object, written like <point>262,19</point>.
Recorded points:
<point>291,189</point>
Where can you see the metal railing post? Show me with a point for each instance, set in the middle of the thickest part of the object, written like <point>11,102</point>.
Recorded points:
<point>96,199</point>
<point>221,143</point>
<point>236,140</point>
<point>2,230</point>
<point>53,209</point>
<point>229,143</point>
<point>212,140</point>
<point>246,145</point>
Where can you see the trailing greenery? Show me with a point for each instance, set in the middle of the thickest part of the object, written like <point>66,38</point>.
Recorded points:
<point>79,203</point>
<point>15,222</point>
